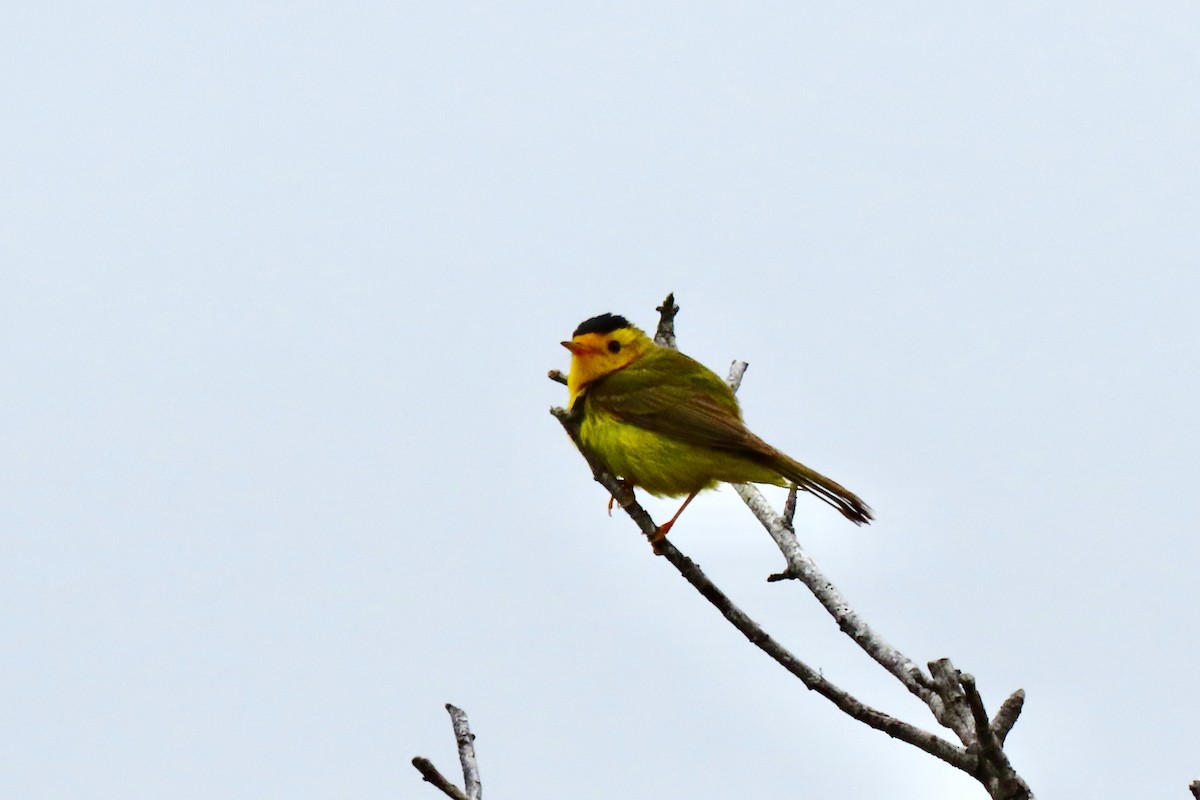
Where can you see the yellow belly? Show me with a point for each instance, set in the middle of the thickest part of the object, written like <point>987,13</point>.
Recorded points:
<point>665,466</point>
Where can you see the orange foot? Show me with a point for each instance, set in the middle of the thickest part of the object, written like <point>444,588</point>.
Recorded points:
<point>661,532</point>
<point>626,485</point>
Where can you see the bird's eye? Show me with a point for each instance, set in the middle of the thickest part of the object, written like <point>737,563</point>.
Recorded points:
<point>614,346</point>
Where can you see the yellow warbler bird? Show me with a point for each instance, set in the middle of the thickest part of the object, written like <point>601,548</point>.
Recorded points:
<point>669,425</point>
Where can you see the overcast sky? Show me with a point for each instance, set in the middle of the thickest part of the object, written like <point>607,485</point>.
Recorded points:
<point>279,287</point>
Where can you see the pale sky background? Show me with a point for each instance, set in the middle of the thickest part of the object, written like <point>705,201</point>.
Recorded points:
<point>279,287</point>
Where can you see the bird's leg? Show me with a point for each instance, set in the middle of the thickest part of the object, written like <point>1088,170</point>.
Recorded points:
<point>663,529</point>
<point>626,485</point>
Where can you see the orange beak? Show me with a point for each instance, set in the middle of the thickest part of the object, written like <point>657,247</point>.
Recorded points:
<point>576,348</point>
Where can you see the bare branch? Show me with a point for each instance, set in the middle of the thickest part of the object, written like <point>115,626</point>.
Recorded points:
<point>801,567</point>
<point>466,756</point>
<point>789,508</point>
<point>466,751</point>
<point>430,773</point>
<point>1194,786</point>
<point>897,729</point>
<point>995,770</point>
<point>1006,717</point>
<point>737,370</point>
<point>557,376</point>
<point>949,705</point>
<point>983,731</point>
<point>665,335</point>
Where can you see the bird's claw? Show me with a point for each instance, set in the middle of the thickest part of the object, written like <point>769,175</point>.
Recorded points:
<point>612,498</point>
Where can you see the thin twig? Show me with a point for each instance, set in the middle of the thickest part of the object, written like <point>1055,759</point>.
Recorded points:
<point>801,567</point>
<point>789,508</point>
<point>1006,717</point>
<point>466,751</point>
<point>996,770</point>
<point>949,705</point>
<point>665,335</point>
<point>557,376</point>
<point>737,371</point>
<point>466,756</point>
<point>430,773</point>
<point>898,729</point>
<point>983,731</point>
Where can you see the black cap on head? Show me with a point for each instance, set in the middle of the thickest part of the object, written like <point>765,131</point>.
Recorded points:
<point>605,323</point>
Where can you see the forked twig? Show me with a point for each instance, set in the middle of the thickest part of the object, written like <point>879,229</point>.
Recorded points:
<point>465,740</point>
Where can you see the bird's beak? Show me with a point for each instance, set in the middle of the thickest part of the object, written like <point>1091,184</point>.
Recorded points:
<point>576,348</point>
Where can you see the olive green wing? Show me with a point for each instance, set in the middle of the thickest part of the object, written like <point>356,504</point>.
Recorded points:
<point>669,393</point>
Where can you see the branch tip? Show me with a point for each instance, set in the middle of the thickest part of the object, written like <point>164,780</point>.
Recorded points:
<point>1006,717</point>
<point>466,751</point>
<point>978,714</point>
<point>737,371</point>
<point>665,335</point>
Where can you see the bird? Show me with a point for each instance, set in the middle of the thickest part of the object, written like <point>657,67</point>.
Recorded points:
<point>665,423</point>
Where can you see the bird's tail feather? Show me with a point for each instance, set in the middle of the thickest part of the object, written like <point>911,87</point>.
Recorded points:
<point>833,493</point>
